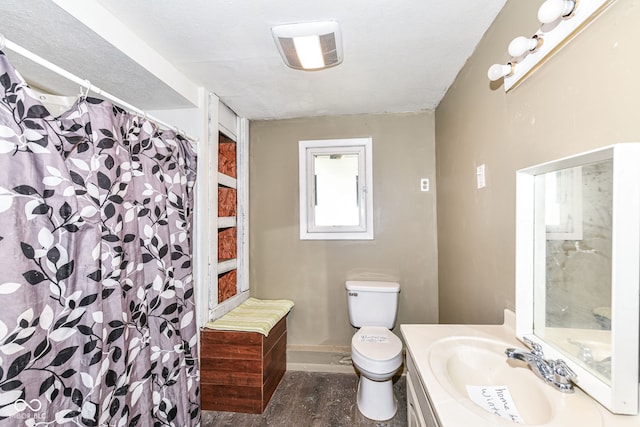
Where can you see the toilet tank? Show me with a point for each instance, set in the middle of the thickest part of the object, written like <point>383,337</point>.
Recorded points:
<point>372,303</point>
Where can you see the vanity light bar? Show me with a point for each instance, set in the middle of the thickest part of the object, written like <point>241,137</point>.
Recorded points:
<point>561,20</point>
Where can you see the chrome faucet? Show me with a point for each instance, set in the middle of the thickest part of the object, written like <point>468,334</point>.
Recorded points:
<point>554,372</point>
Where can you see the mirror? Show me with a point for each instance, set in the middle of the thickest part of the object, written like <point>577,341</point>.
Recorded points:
<point>336,189</point>
<point>577,271</point>
<point>574,208</point>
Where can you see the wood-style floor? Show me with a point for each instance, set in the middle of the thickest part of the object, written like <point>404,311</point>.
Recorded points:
<point>313,399</point>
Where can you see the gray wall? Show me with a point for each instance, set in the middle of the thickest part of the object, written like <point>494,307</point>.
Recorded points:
<point>586,96</point>
<point>312,273</point>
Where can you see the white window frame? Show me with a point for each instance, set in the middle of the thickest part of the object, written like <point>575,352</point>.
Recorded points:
<point>307,149</point>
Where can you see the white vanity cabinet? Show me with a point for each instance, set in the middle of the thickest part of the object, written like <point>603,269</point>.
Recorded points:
<point>442,359</point>
<point>419,411</point>
<point>414,410</point>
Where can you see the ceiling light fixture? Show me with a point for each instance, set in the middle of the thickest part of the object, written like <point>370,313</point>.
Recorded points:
<point>309,46</point>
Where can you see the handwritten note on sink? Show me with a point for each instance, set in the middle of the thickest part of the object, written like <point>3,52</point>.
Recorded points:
<point>495,399</point>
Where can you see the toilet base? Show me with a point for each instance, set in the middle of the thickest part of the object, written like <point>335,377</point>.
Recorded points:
<point>376,400</point>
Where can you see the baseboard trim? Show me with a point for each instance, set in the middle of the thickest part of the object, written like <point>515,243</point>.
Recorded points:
<point>317,367</point>
<point>319,359</point>
<point>331,359</point>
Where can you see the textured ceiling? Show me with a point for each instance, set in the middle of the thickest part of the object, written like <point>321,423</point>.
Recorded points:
<point>43,28</point>
<point>398,55</point>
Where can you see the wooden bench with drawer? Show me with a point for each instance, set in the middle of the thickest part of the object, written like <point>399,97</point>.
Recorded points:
<point>239,371</point>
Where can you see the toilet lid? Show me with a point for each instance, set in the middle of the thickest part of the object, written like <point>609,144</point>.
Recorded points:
<point>376,343</point>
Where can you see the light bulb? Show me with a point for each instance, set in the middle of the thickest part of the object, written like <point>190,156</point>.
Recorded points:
<point>521,45</point>
<point>497,71</point>
<point>551,10</point>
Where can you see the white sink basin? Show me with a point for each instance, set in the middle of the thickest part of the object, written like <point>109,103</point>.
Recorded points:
<point>459,361</point>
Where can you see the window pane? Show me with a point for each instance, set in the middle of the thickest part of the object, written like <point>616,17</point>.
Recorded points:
<point>336,190</point>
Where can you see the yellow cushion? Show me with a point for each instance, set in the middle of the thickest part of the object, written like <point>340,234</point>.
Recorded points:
<point>253,315</point>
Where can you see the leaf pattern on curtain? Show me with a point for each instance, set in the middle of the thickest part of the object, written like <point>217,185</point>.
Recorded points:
<point>97,322</point>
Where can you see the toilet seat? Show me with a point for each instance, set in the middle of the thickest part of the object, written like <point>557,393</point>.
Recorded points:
<point>376,349</point>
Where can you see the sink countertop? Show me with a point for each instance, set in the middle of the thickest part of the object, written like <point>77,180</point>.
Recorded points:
<point>453,412</point>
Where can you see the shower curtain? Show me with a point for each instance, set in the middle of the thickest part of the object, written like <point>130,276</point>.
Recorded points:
<point>97,322</point>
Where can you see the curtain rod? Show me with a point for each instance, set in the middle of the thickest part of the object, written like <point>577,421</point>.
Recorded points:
<point>5,43</point>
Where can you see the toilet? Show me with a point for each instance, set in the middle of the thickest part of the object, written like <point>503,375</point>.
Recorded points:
<point>376,352</point>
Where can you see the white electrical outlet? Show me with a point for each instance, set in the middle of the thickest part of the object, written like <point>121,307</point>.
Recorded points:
<point>480,177</point>
<point>424,184</point>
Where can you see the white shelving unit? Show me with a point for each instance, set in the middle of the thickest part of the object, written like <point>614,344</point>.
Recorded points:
<point>236,129</point>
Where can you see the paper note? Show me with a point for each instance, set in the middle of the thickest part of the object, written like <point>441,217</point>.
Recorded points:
<point>495,399</point>
<point>374,338</point>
